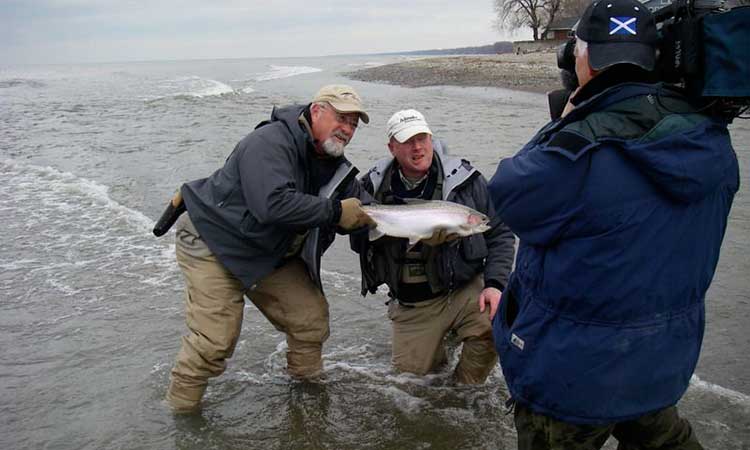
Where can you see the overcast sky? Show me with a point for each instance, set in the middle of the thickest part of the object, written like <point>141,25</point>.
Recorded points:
<point>59,31</point>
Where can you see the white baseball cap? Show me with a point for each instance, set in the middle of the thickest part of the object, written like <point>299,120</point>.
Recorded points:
<point>405,124</point>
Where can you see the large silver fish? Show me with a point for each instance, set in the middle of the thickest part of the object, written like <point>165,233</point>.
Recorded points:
<point>419,219</point>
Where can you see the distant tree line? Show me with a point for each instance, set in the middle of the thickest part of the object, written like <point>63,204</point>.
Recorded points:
<point>497,47</point>
<point>491,49</point>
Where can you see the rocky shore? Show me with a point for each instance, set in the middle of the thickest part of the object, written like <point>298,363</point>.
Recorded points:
<point>534,72</point>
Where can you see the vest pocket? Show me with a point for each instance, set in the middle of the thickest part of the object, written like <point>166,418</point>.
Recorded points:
<point>458,264</point>
<point>380,260</point>
<point>474,247</point>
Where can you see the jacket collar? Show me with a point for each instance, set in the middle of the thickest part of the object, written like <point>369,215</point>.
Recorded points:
<point>619,74</point>
<point>455,172</point>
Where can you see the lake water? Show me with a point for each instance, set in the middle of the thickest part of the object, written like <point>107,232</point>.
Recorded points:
<point>91,302</point>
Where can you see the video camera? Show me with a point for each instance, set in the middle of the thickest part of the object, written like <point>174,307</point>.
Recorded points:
<point>703,50</point>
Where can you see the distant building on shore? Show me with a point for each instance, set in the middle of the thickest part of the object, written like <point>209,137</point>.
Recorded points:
<point>557,32</point>
<point>560,29</point>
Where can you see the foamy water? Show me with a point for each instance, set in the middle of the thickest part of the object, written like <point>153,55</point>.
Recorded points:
<point>194,86</point>
<point>76,219</point>
<point>277,72</point>
<point>732,396</point>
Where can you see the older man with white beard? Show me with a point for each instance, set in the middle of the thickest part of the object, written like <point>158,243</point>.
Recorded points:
<point>258,227</point>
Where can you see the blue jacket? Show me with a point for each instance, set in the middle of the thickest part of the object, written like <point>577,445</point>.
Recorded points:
<point>620,209</point>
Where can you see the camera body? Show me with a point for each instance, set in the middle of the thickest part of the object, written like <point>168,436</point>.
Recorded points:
<point>702,49</point>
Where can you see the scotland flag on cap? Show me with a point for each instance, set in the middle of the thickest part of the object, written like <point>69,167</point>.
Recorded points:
<point>623,25</point>
<point>618,32</point>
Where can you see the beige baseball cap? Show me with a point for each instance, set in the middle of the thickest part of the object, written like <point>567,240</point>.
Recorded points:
<point>343,98</point>
<point>405,124</point>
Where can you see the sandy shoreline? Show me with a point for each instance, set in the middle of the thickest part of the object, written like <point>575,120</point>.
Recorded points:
<point>534,72</point>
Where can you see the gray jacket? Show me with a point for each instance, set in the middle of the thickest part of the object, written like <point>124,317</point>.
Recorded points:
<point>270,190</point>
<point>450,265</point>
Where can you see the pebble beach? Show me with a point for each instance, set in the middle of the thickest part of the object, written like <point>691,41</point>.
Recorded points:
<point>532,72</point>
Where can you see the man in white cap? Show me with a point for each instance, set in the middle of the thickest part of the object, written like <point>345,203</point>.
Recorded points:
<point>258,227</point>
<point>442,284</point>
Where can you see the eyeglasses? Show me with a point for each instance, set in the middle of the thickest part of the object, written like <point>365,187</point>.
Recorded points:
<point>348,119</point>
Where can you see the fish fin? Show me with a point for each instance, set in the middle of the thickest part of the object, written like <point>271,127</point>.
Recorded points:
<point>375,234</point>
<point>415,201</point>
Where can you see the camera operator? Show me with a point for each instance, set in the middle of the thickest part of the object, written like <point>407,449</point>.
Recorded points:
<point>620,207</point>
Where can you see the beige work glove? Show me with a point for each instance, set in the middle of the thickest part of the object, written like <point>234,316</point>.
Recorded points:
<point>440,236</point>
<point>352,214</point>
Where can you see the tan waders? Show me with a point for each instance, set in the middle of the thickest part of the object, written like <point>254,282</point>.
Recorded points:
<point>419,329</point>
<point>214,305</point>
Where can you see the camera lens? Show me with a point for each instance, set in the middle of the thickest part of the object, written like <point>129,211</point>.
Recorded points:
<point>566,60</point>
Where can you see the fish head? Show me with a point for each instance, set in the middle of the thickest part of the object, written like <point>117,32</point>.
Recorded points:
<point>477,222</point>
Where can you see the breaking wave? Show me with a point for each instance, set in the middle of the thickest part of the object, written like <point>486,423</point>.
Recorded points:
<point>278,72</point>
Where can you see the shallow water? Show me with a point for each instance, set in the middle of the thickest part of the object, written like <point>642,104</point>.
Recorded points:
<point>91,303</point>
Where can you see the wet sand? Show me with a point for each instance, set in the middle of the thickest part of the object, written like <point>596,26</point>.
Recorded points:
<point>534,72</point>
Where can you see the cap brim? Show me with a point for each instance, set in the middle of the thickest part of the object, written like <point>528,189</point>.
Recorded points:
<point>608,54</point>
<point>347,108</point>
<point>407,133</point>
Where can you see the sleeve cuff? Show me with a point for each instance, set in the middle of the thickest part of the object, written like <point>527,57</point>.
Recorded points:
<point>336,213</point>
<point>494,284</point>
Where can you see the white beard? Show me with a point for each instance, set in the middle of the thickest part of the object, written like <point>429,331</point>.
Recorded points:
<point>333,147</point>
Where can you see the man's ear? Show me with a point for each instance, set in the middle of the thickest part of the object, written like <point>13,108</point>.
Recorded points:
<point>591,70</point>
<point>315,109</point>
